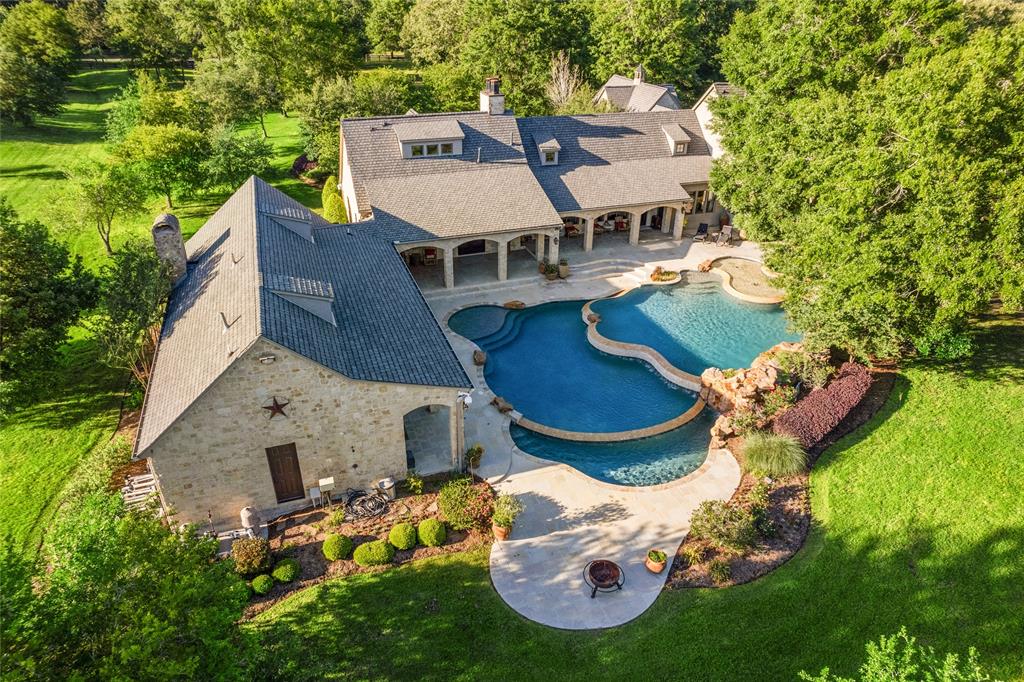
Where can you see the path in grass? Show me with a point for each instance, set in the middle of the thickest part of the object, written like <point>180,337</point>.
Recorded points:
<point>919,523</point>
<point>42,445</point>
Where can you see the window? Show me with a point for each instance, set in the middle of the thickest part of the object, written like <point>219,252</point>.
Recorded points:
<point>417,150</point>
<point>681,147</point>
<point>550,157</point>
<point>710,205</point>
<point>432,150</point>
<point>447,148</point>
<point>699,200</point>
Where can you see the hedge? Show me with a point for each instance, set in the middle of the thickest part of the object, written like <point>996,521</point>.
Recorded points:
<point>814,417</point>
<point>337,546</point>
<point>376,553</point>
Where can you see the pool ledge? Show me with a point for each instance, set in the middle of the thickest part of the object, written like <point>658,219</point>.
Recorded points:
<point>732,291</point>
<point>639,351</point>
<point>615,436</point>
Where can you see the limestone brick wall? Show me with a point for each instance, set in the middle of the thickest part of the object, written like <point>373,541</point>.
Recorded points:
<point>213,459</point>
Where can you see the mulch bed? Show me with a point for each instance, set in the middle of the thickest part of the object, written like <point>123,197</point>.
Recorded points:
<point>301,535</point>
<point>789,506</point>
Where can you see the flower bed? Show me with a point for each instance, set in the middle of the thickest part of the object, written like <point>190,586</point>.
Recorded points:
<point>301,535</point>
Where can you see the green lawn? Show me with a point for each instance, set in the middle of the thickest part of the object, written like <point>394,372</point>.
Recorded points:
<point>919,522</point>
<point>42,444</point>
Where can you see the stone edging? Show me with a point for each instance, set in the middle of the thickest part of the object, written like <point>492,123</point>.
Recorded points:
<point>614,436</point>
<point>732,291</point>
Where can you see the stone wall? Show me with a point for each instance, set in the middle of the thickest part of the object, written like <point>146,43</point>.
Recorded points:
<point>213,459</point>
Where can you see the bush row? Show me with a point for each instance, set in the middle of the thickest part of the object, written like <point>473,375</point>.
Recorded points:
<point>429,533</point>
<point>813,417</point>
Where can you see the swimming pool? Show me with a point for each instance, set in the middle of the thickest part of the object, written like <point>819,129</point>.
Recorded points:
<point>539,360</point>
<point>693,325</point>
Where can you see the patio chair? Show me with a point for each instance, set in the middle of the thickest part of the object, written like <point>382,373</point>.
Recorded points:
<point>701,234</point>
<point>620,225</point>
<point>429,256</point>
<point>572,230</point>
<point>725,236</point>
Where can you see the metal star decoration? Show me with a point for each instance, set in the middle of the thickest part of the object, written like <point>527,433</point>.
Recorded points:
<point>276,408</point>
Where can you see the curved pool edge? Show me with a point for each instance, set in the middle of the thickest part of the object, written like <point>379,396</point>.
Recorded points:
<point>732,291</point>
<point>614,436</point>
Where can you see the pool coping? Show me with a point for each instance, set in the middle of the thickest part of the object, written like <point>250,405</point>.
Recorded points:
<point>732,291</point>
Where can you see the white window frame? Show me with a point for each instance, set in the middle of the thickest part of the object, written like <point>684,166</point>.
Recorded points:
<point>417,150</point>
<point>549,157</point>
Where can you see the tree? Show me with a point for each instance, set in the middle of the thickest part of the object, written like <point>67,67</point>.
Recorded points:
<point>384,23</point>
<point>516,38</point>
<point>233,158</point>
<point>43,291</point>
<point>235,91</point>
<point>656,34</point>
<point>124,597</point>
<point>90,22</point>
<point>134,286</point>
<point>900,657</point>
<point>146,31</point>
<point>38,46</point>
<point>712,22</point>
<point>434,31</point>
<point>447,87</point>
<point>169,157</point>
<point>566,81</point>
<point>877,157</point>
<point>99,192</point>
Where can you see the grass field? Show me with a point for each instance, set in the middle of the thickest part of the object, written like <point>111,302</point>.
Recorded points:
<point>43,443</point>
<point>919,522</point>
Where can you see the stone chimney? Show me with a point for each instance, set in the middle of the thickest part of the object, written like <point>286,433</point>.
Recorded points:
<point>491,100</point>
<point>639,74</point>
<point>170,247</point>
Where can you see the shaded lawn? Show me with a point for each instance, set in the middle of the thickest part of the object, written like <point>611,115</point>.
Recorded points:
<point>41,445</point>
<point>919,523</point>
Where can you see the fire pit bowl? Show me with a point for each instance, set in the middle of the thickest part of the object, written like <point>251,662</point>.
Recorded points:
<point>602,575</point>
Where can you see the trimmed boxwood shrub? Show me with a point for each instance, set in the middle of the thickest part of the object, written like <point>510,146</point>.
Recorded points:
<point>261,584</point>
<point>772,454</point>
<point>466,506</point>
<point>337,546</point>
<point>403,536</point>
<point>376,553</point>
<point>251,555</point>
<point>811,419</point>
<point>431,533</point>
<point>286,570</point>
<point>723,524</point>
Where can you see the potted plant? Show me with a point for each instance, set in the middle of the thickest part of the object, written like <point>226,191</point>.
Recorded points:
<point>551,271</point>
<point>506,508</point>
<point>473,456</point>
<point>563,267</point>
<point>655,561</point>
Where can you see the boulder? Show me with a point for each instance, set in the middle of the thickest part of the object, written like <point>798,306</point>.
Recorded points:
<point>503,405</point>
<point>514,305</point>
<point>479,358</point>
<point>593,318</point>
<point>706,266</point>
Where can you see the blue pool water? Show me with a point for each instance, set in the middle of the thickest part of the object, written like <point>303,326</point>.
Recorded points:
<point>642,462</point>
<point>694,325</point>
<point>540,361</point>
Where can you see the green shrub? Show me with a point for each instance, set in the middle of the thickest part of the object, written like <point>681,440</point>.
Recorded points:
<point>657,556</point>
<point>261,584</point>
<point>286,570</point>
<point>775,455</point>
<point>376,553</point>
<point>723,525</point>
<point>506,508</point>
<point>804,367</point>
<point>330,187</point>
<point>336,518</point>
<point>337,546</point>
<point>776,401</point>
<point>758,499</point>
<point>694,554</point>
<point>251,555</point>
<point>745,421</point>
<point>403,536</point>
<point>414,484</point>
<point>464,505</point>
<point>719,571</point>
<point>476,452</point>
<point>334,208</point>
<point>431,533</point>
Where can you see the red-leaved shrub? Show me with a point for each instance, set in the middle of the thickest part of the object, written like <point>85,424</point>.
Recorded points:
<point>812,418</point>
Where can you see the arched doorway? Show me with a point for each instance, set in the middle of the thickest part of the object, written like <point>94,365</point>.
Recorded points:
<point>428,443</point>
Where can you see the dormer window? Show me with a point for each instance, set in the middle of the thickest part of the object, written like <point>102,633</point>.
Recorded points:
<point>678,140</point>
<point>681,148</point>
<point>432,149</point>
<point>429,136</point>
<point>550,157</point>
<point>547,148</point>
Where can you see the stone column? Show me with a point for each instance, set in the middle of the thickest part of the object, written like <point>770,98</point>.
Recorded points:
<point>553,250</point>
<point>456,434</point>
<point>502,261</point>
<point>634,228</point>
<point>449,267</point>
<point>588,234</point>
<point>679,223</point>
<point>668,216</point>
<point>540,247</point>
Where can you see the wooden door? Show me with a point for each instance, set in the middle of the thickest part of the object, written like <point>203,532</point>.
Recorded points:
<point>284,471</point>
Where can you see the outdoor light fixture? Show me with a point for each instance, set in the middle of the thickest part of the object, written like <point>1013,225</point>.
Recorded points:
<point>267,358</point>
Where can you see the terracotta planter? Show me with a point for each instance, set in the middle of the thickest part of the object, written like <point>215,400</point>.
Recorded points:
<point>654,566</point>
<point>500,532</point>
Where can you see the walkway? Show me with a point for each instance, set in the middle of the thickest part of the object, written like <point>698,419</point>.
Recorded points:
<point>571,518</point>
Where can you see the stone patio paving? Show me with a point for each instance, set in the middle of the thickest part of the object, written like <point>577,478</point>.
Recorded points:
<point>569,517</point>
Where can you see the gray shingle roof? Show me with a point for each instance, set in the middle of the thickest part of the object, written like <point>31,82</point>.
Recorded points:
<point>430,128</point>
<point>620,159</point>
<point>629,95</point>
<point>385,331</point>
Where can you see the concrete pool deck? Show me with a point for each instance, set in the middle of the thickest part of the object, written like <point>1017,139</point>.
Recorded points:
<point>570,518</point>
